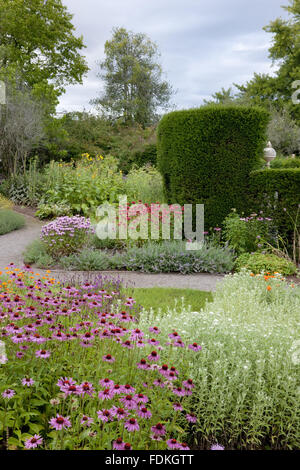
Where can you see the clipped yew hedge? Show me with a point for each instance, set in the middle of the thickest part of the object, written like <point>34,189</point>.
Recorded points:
<point>206,155</point>
<point>276,192</point>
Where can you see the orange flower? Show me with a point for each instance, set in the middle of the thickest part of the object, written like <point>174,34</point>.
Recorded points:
<point>269,288</point>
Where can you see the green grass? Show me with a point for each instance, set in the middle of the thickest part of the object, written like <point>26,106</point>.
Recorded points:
<point>10,221</point>
<point>160,297</point>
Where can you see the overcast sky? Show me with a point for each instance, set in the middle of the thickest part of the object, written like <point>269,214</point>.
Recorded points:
<point>204,44</point>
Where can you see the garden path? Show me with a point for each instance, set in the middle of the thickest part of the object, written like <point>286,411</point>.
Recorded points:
<point>13,244</point>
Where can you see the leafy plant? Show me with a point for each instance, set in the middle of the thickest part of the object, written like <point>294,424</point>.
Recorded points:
<point>247,234</point>
<point>269,263</point>
<point>247,377</point>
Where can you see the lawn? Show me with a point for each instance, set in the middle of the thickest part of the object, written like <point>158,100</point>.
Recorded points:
<point>164,298</point>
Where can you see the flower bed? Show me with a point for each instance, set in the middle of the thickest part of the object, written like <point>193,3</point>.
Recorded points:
<point>78,373</point>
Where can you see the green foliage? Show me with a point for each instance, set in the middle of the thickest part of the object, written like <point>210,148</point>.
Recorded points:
<point>5,203</point>
<point>86,260</point>
<point>38,45</point>
<point>276,192</point>
<point>10,221</point>
<point>51,211</point>
<point>206,155</point>
<point>148,156</point>
<point>27,187</point>
<point>36,250</point>
<point>281,162</point>
<point>284,52</point>
<point>246,234</point>
<point>145,184</point>
<point>246,378</point>
<point>172,256</point>
<point>284,132</point>
<point>76,133</point>
<point>134,88</point>
<point>268,263</point>
<point>82,187</point>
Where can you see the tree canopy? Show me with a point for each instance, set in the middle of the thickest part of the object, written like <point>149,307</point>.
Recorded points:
<point>134,88</point>
<point>38,47</point>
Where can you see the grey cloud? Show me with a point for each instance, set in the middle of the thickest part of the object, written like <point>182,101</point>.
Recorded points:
<point>204,45</point>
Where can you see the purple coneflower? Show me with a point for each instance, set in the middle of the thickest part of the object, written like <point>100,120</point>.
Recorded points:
<point>108,358</point>
<point>154,329</point>
<point>141,398</point>
<point>60,422</point>
<point>33,442</point>
<point>195,347</point>
<point>132,425</point>
<point>177,406</point>
<point>86,388</point>
<point>191,418</point>
<point>158,429</point>
<point>106,383</point>
<point>9,393</point>
<point>153,356</point>
<point>118,444</point>
<point>216,447</point>
<point>28,382</point>
<point>144,413</point>
<point>179,392</point>
<point>129,402</point>
<point>86,421</point>
<point>183,446</point>
<point>106,394</point>
<point>105,415</point>
<point>42,353</point>
<point>173,444</point>
<point>188,384</point>
<point>143,364</point>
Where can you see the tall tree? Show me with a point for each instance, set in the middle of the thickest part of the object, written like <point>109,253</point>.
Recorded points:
<point>38,47</point>
<point>134,88</point>
<point>285,52</point>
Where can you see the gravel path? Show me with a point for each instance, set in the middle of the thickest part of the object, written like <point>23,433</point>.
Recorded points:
<point>13,244</point>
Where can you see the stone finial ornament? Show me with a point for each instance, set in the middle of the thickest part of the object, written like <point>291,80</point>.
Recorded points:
<point>269,154</point>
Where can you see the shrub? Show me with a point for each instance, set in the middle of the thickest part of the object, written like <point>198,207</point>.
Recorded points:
<point>246,234</point>
<point>66,235</point>
<point>147,156</point>
<point>172,256</point>
<point>246,381</point>
<point>34,251</point>
<point>269,263</point>
<point>289,162</point>
<point>276,192</point>
<point>10,221</point>
<point>206,155</point>
<point>86,260</point>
